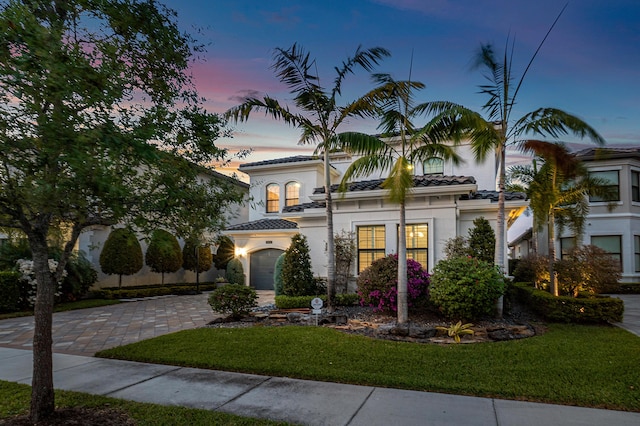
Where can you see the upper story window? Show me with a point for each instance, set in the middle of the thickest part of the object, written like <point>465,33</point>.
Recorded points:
<point>273,198</point>
<point>292,194</point>
<point>635,186</point>
<point>612,179</point>
<point>433,166</point>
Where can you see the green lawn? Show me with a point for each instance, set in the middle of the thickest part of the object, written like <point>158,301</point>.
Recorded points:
<point>15,398</point>
<point>67,306</point>
<point>593,366</point>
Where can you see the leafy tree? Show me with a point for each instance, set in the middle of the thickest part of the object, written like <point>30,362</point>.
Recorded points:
<point>226,252</point>
<point>318,118</point>
<point>495,133</point>
<point>235,272</point>
<point>401,145</point>
<point>163,254</point>
<point>297,277</point>
<point>196,257</point>
<point>121,254</point>
<point>482,240</point>
<point>345,255</point>
<point>89,88</point>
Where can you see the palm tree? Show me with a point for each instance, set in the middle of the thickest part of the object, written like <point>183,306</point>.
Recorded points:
<point>499,130</point>
<point>558,193</point>
<point>319,114</point>
<point>399,147</point>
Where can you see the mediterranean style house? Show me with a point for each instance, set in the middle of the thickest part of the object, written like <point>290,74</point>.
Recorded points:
<point>288,198</point>
<point>616,231</point>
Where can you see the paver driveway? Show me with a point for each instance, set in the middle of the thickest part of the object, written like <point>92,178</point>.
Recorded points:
<point>87,331</point>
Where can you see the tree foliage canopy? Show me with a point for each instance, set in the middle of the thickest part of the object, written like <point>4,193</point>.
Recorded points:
<point>163,254</point>
<point>122,253</point>
<point>99,124</point>
<point>196,262</point>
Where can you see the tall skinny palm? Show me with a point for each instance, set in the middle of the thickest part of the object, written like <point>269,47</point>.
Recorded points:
<point>500,130</point>
<point>400,145</point>
<point>317,114</point>
<point>558,193</point>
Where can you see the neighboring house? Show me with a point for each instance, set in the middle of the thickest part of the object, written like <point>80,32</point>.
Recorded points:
<point>618,230</point>
<point>92,240</point>
<point>288,198</point>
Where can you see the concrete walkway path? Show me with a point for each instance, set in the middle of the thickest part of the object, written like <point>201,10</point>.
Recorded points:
<point>295,401</point>
<point>631,316</point>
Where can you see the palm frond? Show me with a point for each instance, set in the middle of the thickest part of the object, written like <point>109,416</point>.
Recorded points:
<point>293,67</point>
<point>366,59</point>
<point>365,166</point>
<point>400,180</point>
<point>555,123</point>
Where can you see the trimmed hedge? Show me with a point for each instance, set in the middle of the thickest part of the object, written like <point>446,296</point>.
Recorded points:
<point>150,291</point>
<point>292,302</point>
<point>9,291</point>
<point>569,309</point>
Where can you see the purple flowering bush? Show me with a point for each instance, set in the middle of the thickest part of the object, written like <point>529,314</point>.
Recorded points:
<point>378,284</point>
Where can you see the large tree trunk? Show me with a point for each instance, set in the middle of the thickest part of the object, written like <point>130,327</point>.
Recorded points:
<point>42,396</point>
<point>403,307</point>
<point>331,254</point>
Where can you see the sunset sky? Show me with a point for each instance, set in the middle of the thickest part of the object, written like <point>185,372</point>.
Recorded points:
<point>589,65</point>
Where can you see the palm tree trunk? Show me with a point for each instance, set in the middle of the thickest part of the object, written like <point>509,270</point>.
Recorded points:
<point>500,231</point>
<point>403,309</point>
<point>331,255</point>
<point>553,282</point>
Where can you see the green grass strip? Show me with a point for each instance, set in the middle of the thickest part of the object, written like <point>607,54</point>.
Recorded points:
<point>592,366</point>
<point>14,401</point>
<point>63,307</point>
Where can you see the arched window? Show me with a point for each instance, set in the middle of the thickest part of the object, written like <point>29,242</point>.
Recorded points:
<point>433,166</point>
<point>273,198</point>
<point>292,194</point>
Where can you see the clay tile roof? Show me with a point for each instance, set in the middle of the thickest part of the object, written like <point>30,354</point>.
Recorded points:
<point>304,206</point>
<point>294,159</point>
<point>418,181</point>
<point>264,224</point>
<point>590,154</point>
<point>493,196</point>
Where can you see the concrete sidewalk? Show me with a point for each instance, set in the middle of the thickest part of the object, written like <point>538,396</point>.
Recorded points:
<point>295,401</point>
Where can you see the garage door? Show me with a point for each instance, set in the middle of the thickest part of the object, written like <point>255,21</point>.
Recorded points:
<point>262,266</point>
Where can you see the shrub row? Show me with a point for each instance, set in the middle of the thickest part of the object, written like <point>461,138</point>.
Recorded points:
<point>149,291</point>
<point>292,302</point>
<point>569,309</point>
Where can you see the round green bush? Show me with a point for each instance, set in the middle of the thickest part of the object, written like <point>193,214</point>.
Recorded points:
<point>465,288</point>
<point>233,299</point>
<point>235,272</point>
<point>378,284</point>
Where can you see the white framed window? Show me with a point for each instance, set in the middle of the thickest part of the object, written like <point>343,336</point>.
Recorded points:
<point>433,166</point>
<point>292,194</point>
<point>612,177</point>
<point>371,245</point>
<point>273,198</point>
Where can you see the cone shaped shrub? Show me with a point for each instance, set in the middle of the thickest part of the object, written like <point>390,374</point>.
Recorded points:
<point>121,254</point>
